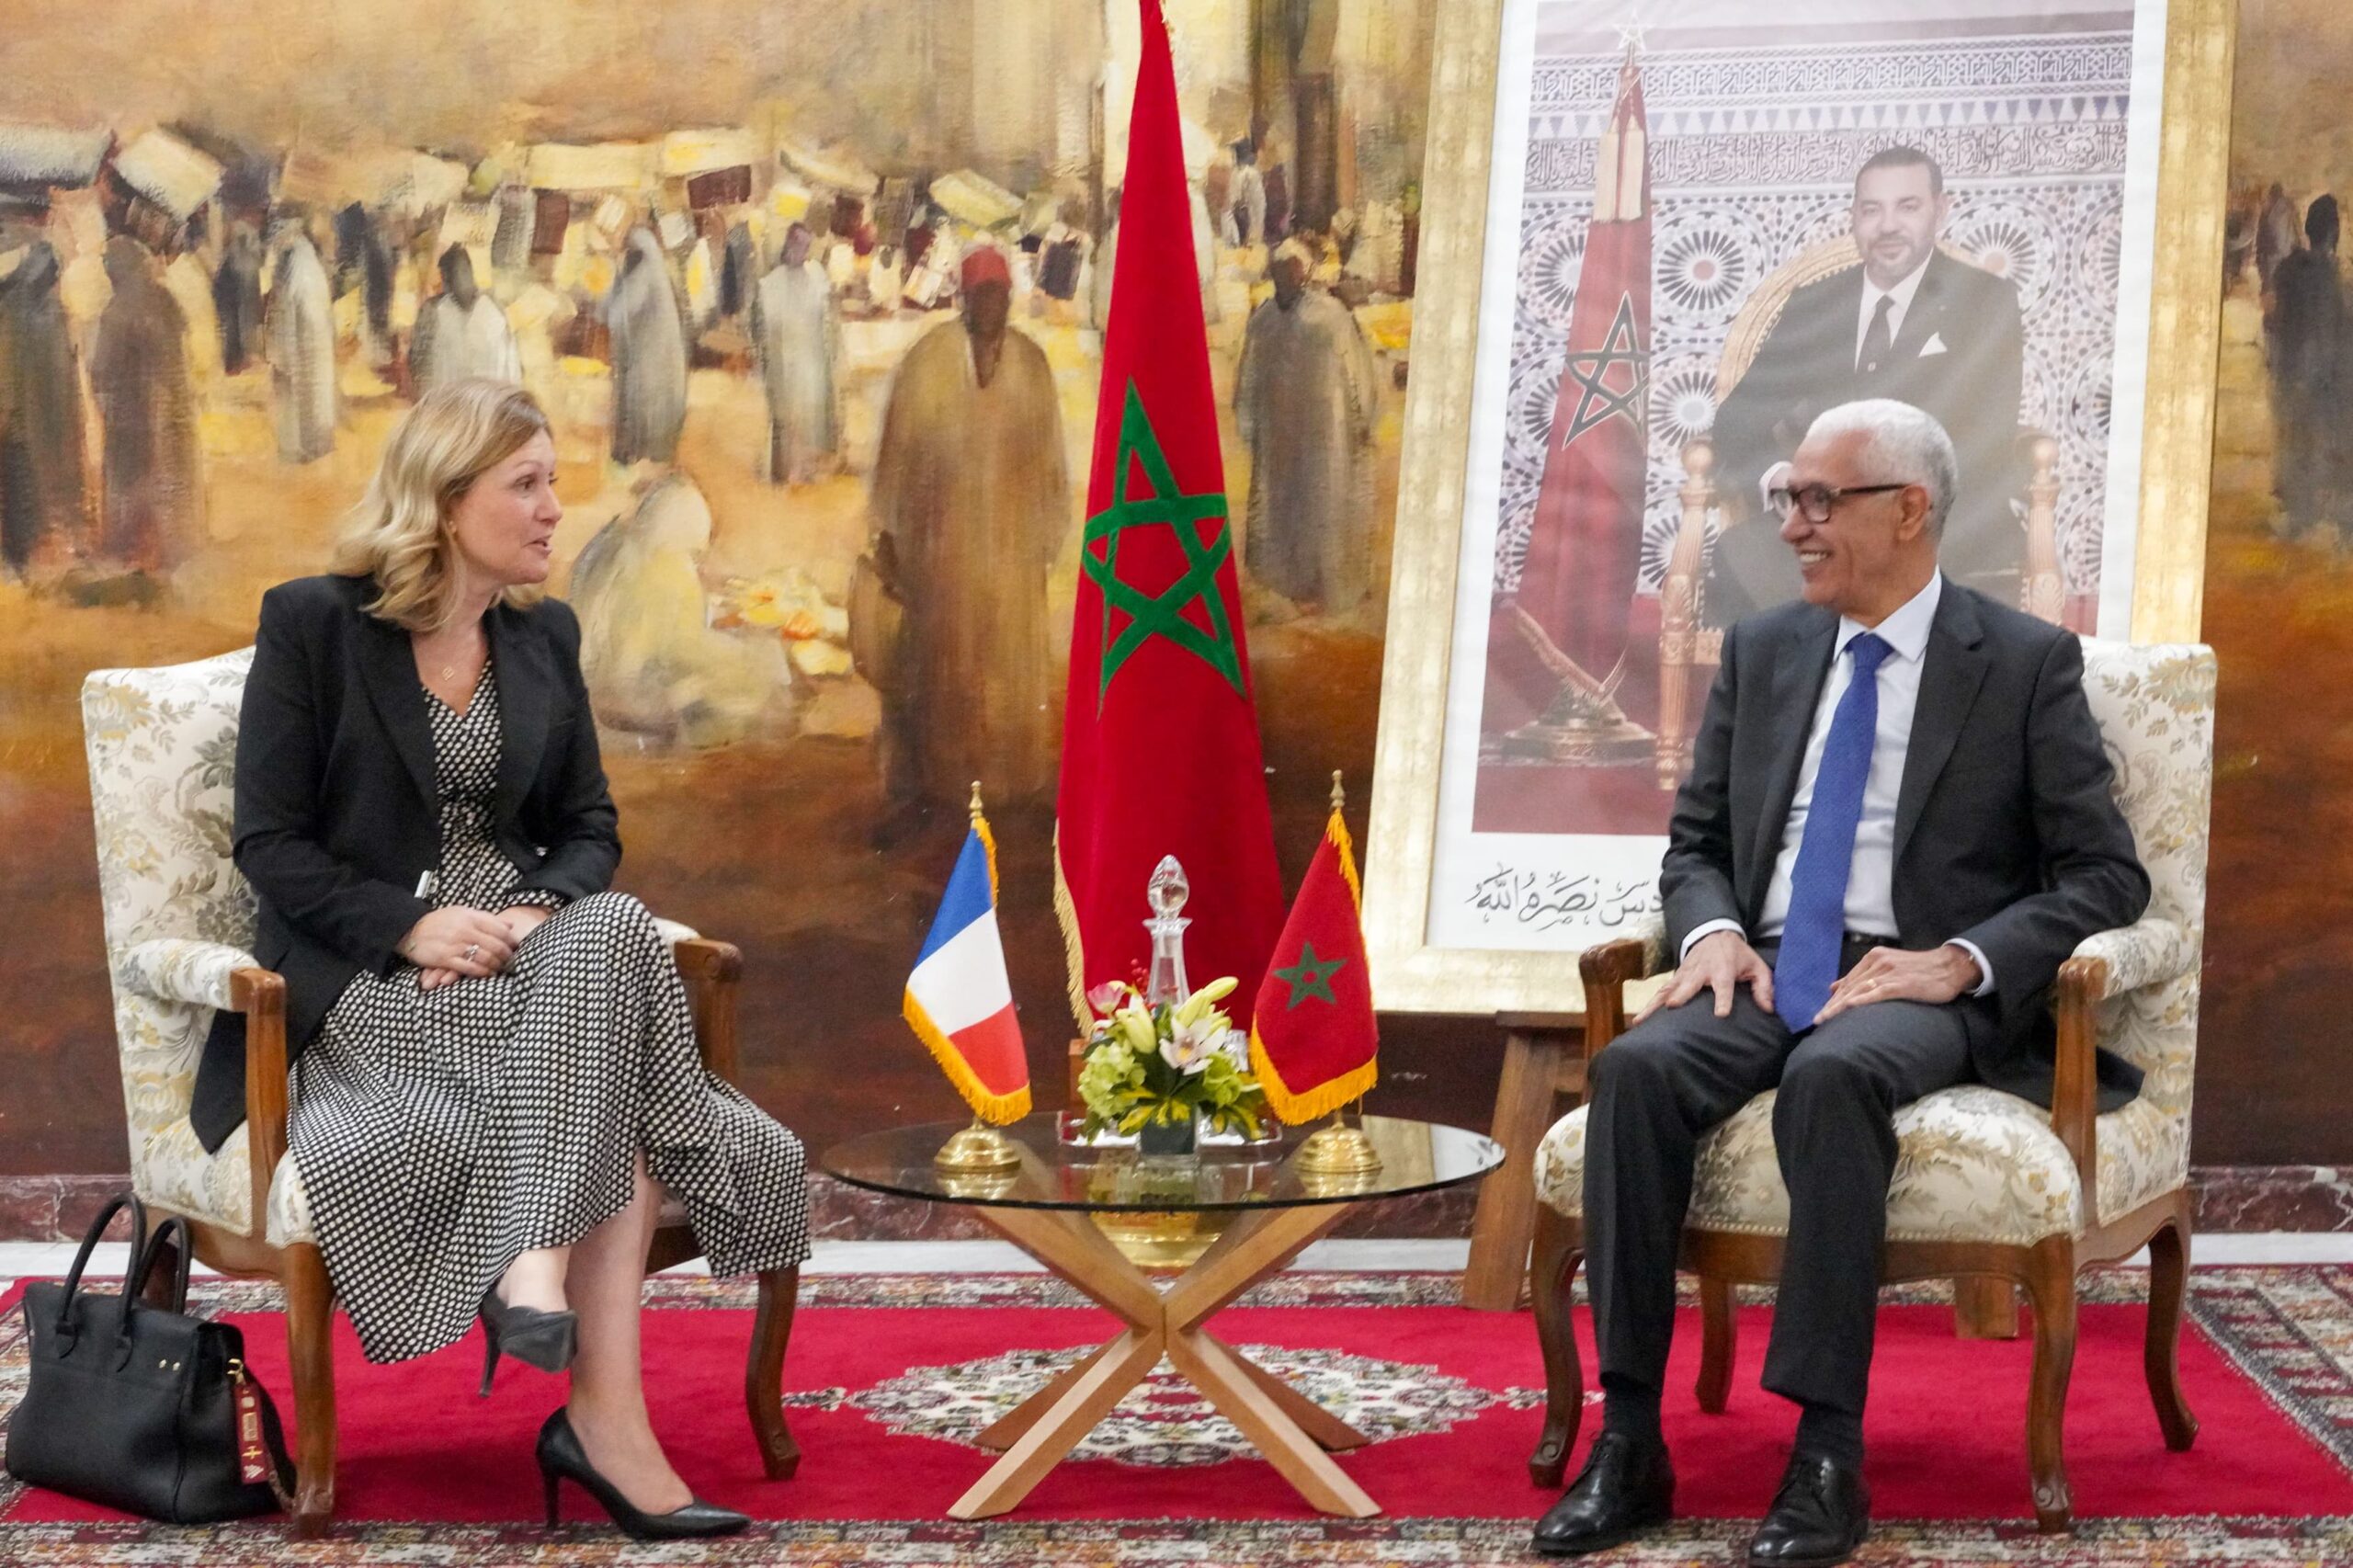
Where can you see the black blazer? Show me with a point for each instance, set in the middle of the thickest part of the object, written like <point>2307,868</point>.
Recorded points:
<point>1972,387</point>
<point>337,815</point>
<point>2006,832</point>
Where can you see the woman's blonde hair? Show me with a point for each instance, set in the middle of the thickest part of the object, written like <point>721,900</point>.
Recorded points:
<point>400,533</point>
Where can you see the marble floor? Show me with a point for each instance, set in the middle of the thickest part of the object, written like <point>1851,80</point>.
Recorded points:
<point>19,1259</point>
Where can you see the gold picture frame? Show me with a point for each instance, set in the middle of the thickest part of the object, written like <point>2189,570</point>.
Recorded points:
<point>1411,974</point>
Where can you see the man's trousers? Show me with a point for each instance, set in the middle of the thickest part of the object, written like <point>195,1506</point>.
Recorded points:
<point>1656,1089</point>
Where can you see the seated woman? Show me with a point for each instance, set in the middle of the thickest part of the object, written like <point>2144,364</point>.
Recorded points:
<point>496,1072</point>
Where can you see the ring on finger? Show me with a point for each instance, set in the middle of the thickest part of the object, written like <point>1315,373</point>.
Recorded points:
<point>472,948</point>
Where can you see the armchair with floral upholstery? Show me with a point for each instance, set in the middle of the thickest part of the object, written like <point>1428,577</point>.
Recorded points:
<point>179,926</point>
<point>1987,1185</point>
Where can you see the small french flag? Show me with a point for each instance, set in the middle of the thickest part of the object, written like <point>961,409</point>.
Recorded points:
<point>958,1002</point>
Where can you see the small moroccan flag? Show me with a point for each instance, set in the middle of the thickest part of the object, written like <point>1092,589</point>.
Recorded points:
<point>959,1001</point>
<point>1313,1038</point>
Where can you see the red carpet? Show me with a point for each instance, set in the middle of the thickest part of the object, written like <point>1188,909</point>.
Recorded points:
<point>1454,1393</point>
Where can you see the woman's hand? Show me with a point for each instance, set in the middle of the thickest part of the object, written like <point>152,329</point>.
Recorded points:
<point>459,944</point>
<point>522,919</point>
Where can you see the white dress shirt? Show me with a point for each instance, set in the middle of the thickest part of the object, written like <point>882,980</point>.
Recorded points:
<point>1901,303</point>
<point>1871,878</point>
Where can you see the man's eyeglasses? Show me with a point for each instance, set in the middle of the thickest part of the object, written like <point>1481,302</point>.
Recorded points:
<point>1817,501</point>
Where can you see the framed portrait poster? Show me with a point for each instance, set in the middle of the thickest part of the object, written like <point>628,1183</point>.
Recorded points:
<point>1658,239</point>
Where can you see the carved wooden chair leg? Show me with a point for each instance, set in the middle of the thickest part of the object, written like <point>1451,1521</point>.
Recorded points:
<point>1985,1307</point>
<point>1560,1244</point>
<point>310,1353</point>
<point>764,1371</point>
<point>1719,1330</point>
<point>2168,1282</point>
<point>157,1290</point>
<point>2051,1286</point>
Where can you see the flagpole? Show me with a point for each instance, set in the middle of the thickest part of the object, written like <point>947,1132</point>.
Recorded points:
<point>979,1150</point>
<point>1335,1153</point>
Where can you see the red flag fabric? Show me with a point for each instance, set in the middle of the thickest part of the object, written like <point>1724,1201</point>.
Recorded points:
<point>1160,733</point>
<point>1312,1037</point>
<point>1585,545</point>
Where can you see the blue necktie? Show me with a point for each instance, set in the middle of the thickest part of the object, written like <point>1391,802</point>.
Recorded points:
<point>1817,925</point>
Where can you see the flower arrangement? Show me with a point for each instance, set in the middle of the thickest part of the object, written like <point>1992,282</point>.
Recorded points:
<point>1160,1065</point>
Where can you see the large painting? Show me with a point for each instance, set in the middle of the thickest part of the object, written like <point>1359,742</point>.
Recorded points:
<point>1697,233</point>
<point>2279,601</point>
<point>822,496</point>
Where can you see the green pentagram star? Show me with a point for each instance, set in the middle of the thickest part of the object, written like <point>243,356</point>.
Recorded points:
<point>1597,401</point>
<point>1162,614</point>
<point>1310,978</point>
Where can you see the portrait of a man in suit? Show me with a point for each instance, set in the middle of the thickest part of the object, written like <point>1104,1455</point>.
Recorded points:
<point>1912,323</point>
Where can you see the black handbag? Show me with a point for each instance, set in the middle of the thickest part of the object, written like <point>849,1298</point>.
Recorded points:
<point>139,1406</point>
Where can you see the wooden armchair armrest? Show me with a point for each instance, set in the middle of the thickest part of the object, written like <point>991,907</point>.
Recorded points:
<point>260,995</point>
<point>2151,951</point>
<point>1605,970</point>
<point>712,970</point>
<point>2075,1083</point>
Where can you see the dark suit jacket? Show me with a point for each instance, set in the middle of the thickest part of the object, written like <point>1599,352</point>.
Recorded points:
<point>2006,832</point>
<point>1807,365</point>
<point>337,814</point>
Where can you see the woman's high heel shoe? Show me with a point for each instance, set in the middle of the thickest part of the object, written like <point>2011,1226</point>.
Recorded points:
<point>561,1458</point>
<point>545,1340</point>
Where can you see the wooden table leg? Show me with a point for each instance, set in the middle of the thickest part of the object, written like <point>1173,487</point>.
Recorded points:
<point>1245,1401</point>
<point>1292,1430</point>
<point>1330,1433</point>
<point>1123,1363</point>
<point>1002,1432</point>
<point>1505,1220</point>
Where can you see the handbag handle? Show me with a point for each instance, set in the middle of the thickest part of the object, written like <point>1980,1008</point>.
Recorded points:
<point>134,1283</point>
<point>90,1240</point>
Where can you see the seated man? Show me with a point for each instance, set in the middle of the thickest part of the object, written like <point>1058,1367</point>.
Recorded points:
<point>1898,825</point>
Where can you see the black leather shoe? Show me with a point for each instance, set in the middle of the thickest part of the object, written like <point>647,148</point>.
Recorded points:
<point>545,1340</point>
<point>1820,1516</point>
<point>562,1459</point>
<point>1626,1486</point>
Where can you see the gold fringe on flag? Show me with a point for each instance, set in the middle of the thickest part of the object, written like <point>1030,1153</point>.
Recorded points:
<point>995,1109</point>
<point>1074,947</point>
<point>1297,1110</point>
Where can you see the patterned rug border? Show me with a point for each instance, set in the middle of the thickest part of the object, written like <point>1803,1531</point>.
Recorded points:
<point>2287,1327</point>
<point>2237,1542</point>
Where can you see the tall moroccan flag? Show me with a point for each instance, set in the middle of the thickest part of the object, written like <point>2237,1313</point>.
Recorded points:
<point>1585,543</point>
<point>1312,1039</point>
<point>1160,736</point>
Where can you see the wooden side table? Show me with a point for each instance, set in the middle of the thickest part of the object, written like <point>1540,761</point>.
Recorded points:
<point>1543,1060</point>
<point>1047,1208</point>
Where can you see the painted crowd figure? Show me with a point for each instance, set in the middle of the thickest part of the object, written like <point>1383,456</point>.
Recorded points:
<point>649,356</point>
<point>1305,397</point>
<point>147,410</point>
<point>300,329</point>
<point>40,415</point>
<point>971,492</point>
<point>796,337</point>
<point>2307,342</point>
<point>462,333</point>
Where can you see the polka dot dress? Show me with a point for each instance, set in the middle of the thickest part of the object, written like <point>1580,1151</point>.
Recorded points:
<point>442,1132</point>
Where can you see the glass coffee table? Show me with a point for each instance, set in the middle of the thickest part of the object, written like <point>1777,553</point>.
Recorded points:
<point>1048,1207</point>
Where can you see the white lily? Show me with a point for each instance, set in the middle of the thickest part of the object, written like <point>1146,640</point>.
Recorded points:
<point>1191,1045</point>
